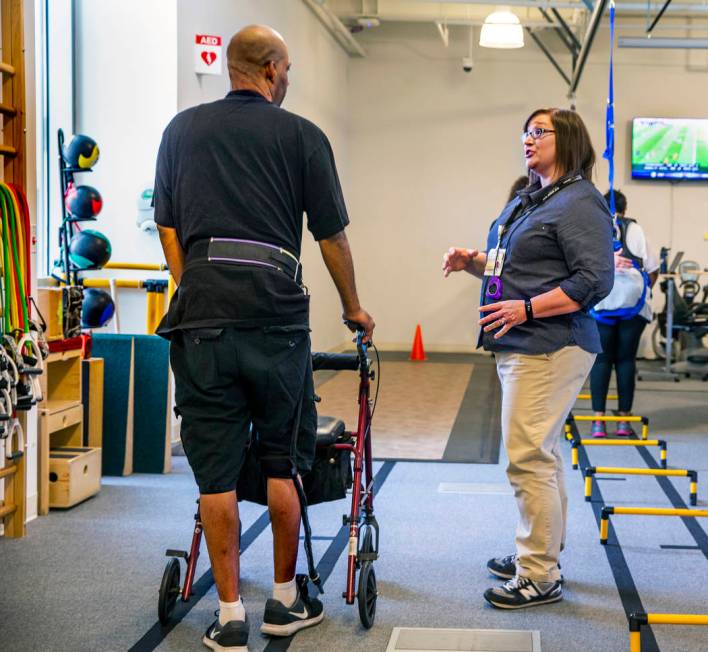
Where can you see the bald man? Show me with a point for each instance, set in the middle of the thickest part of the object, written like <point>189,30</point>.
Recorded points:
<point>234,178</point>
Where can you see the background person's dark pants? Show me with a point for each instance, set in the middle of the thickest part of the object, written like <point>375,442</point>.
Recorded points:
<point>620,342</point>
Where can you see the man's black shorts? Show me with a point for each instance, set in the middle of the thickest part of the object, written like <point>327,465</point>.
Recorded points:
<point>227,379</point>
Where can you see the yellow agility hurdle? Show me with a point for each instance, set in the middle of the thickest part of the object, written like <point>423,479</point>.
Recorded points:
<point>618,442</point>
<point>632,419</point>
<point>637,620</point>
<point>608,510</point>
<point>591,471</point>
<point>588,397</point>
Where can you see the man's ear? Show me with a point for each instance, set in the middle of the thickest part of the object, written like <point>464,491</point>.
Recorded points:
<point>270,71</point>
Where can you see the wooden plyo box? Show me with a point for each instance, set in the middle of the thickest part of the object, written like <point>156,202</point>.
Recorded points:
<point>92,399</point>
<point>61,380</point>
<point>50,303</point>
<point>74,475</point>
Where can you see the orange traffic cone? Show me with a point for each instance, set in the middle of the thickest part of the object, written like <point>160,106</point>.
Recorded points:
<point>417,352</point>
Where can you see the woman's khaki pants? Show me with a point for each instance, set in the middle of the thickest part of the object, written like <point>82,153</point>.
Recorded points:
<point>538,392</point>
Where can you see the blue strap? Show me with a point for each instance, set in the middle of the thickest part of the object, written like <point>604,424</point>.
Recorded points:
<point>609,153</point>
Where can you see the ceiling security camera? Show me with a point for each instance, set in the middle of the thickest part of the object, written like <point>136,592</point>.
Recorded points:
<point>467,64</point>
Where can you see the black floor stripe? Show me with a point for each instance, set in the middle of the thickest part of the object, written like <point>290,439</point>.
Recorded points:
<point>331,555</point>
<point>697,532</point>
<point>672,547</point>
<point>629,596</point>
<point>476,434</point>
<point>158,632</point>
<point>318,538</point>
<point>611,479</point>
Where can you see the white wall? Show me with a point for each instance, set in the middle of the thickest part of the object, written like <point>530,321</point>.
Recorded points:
<point>126,92</point>
<point>318,91</point>
<point>434,151</point>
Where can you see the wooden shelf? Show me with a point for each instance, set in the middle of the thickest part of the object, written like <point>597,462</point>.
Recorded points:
<point>60,414</point>
<point>52,407</point>
<point>12,513</point>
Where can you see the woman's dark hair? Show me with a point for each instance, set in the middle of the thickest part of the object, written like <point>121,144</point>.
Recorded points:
<point>574,151</point>
<point>519,184</point>
<point>620,202</point>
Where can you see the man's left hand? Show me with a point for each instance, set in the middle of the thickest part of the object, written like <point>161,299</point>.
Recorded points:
<point>503,315</point>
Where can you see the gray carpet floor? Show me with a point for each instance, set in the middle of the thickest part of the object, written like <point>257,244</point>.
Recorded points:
<point>87,579</point>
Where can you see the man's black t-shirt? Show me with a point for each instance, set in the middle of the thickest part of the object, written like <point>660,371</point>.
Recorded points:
<point>244,168</point>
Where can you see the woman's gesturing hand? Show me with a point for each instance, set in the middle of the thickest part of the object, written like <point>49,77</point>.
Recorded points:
<point>457,260</point>
<point>503,315</point>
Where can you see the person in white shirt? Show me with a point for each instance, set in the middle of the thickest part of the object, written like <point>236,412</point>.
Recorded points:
<point>620,339</point>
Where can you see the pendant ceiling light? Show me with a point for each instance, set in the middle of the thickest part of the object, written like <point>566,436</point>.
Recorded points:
<point>503,30</point>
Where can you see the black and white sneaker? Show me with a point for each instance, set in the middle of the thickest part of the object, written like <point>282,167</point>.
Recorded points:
<point>505,567</point>
<point>231,637</point>
<point>279,620</point>
<point>521,592</point>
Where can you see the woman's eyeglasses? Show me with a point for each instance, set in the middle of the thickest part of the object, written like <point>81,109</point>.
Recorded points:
<point>536,133</point>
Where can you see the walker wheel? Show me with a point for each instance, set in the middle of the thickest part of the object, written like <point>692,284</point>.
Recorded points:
<point>367,594</point>
<point>169,591</point>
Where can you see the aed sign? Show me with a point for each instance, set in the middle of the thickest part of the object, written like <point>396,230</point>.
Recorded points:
<point>207,55</point>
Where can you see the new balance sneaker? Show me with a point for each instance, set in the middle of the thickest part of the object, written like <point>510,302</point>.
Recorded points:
<point>279,620</point>
<point>624,429</point>
<point>505,567</point>
<point>231,637</point>
<point>598,429</point>
<point>521,592</point>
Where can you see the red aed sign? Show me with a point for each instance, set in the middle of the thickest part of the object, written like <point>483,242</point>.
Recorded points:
<point>207,54</point>
<point>205,39</point>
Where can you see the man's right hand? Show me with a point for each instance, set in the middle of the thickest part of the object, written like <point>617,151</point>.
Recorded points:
<point>360,318</point>
<point>457,259</point>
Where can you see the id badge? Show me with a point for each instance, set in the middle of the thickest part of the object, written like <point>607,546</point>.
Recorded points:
<point>495,262</point>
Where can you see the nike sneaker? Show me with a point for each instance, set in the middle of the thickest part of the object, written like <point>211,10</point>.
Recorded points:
<point>279,620</point>
<point>231,637</point>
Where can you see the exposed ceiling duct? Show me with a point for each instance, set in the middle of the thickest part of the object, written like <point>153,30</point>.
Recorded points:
<point>663,43</point>
<point>336,27</point>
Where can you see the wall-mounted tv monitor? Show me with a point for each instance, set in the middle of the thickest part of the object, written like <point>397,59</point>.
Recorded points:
<point>670,148</point>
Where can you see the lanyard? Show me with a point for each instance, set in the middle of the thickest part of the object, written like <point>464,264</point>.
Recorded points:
<point>514,221</point>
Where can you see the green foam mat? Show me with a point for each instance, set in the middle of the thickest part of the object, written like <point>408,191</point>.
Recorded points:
<point>151,412</point>
<point>117,352</point>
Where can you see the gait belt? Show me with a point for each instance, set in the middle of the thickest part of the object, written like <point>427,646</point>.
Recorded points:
<point>248,252</point>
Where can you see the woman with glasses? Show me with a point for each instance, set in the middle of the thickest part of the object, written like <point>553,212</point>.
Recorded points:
<point>548,261</point>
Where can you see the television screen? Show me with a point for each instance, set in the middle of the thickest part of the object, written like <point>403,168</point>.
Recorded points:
<point>669,148</point>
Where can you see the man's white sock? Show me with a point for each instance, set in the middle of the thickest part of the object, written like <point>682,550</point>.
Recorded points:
<point>285,592</point>
<point>231,611</point>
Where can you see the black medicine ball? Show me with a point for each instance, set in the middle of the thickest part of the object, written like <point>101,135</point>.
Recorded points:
<point>81,153</point>
<point>89,249</point>
<point>97,309</point>
<point>83,202</point>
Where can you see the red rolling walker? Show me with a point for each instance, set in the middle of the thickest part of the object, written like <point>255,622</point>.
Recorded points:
<point>363,548</point>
